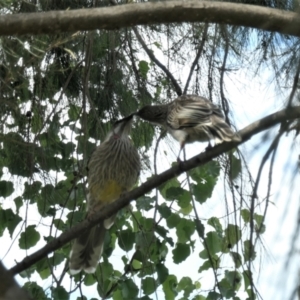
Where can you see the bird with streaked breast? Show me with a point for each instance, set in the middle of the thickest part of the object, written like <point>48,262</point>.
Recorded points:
<point>190,118</point>
<point>113,169</point>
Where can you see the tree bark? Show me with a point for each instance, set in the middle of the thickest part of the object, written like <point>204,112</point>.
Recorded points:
<point>127,15</point>
<point>9,289</point>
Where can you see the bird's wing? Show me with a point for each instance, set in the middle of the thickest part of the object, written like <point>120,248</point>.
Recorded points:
<point>192,111</point>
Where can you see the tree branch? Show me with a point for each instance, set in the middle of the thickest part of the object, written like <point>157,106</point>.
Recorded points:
<point>9,289</point>
<point>198,160</point>
<point>128,15</point>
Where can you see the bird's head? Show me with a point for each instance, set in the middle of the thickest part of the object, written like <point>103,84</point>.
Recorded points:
<point>123,126</point>
<point>156,114</point>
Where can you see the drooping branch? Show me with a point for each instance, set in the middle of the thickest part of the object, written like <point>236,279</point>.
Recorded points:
<point>195,62</point>
<point>155,181</point>
<point>128,15</point>
<point>158,63</point>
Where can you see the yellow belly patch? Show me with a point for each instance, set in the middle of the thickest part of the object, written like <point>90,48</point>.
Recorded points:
<point>106,193</point>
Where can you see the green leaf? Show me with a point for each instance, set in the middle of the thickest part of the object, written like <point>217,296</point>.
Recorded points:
<point>145,203</point>
<point>215,223</point>
<point>245,213</point>
<point>164,211</point>
<point>60,224</point>
<point>117,295</point>
<point>199,297</point>
<point>31,190</point>
<point>162,273</point>
<point>105,271</point>
<point>204,254</point>
<point>35,291</point>
<point>9,220</point>
<point>230,284</point>
<point>75,217</point>
<point>184,230</point>
<point>226,289</point>
<point>197,285</point>
<point>163,232</point>
<point>184,198</point>
<point>237,259</point>
<point>158,45</point>
<point>42,267</point>
<point>29,237</point>
<point>6,188</point>
<point>169,287</point>
<point>248,251</point>
<point>144,240</point>
<point>235,167</point>
<point>56,259</point>
<point>259,219</point>
<point>136,265</point>
<point>180,253</point>
<point>173,220</point>
<point>37,123</point>
<point>66,149</point>
<point>84,146</point>
<point>129,289</point>
<point>213,296</point>
<point>185,284</point>
<point>247,278</point>
<point>200,228</point>
<point>170,184</point>
<point>28,272</point>
<point>18,202</point>
<point>143,68</point>
<point>43,206</point>
<point>45,273</point>
<point>149,285</point>
<point>213,262</point>
<point>59,293</point>
<point>186,210</point>
<point>89,279</point>
<point>251,294</point>
<point>126,239</point>
<point>234,278</point>
<point>213,242</point>
<point>232,235</point>
<point>206,178</point>
<point>211,169</point>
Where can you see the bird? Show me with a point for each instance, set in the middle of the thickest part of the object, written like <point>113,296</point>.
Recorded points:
<point>113,169</point>
<point>190,118</point>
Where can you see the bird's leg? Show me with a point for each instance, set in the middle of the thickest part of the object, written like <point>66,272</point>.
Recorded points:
<point>181,148</point>
<point>93,210</point>
<point>209,146</point>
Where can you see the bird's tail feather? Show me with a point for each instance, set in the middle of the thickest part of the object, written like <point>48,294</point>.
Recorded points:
<point>223,132</point>
<point>87,250</point>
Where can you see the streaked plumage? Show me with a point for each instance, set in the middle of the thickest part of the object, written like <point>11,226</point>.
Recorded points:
<point>114,168</point>
<point>190,118</point>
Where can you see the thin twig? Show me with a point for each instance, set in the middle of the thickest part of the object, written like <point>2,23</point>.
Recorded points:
<point>223,98</point>
<point>295,84</point>
<point>195,62</point>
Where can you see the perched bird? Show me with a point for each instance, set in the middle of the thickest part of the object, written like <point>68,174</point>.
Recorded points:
<point>190,118</point>
<point>114,168</point>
